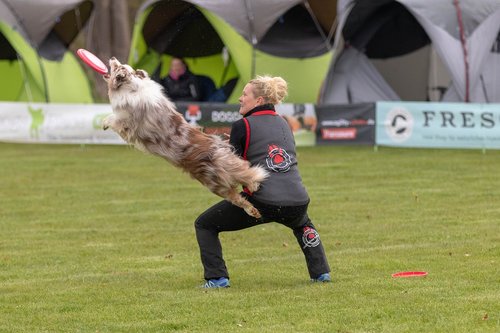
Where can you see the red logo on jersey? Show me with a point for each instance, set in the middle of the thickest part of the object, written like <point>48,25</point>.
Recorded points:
<point>310,237</point>
<point>278,159</point>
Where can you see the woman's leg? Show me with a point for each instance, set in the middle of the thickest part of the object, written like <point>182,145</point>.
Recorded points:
<point>306,234</point>
<point>223,216</point>
<point>309,241</point>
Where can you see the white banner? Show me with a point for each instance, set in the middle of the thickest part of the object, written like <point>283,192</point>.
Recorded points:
<point>55,123</point>
<point>82,123</point>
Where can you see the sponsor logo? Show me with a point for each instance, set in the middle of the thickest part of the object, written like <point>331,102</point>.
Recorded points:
<point>338,133</point>
<point>278,159</point>
<point>463,119</point>
<point>310,237</point>
<point>399,124</point>
<point>225,116</point>
<point>193,114</point>
<point>336,123</point>
<point>37,120</point>
<point>346,122</point>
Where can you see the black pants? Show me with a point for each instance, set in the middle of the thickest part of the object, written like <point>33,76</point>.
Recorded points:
<point>225,216</point>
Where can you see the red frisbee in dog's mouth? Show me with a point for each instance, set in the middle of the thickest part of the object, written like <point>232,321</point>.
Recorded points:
<point>92,61</point>
<point>409,274</point>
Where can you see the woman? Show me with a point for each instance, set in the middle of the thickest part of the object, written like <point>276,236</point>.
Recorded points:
<point>180,84</point>
<point>263,137</point>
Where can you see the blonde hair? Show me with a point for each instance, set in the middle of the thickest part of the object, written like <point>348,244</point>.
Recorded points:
<point>272,89</point>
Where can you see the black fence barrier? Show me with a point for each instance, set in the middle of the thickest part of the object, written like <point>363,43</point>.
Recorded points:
<point>346,124</point>
<point>311,124</point>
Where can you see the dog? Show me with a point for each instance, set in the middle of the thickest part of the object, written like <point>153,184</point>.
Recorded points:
<point>145,118</point>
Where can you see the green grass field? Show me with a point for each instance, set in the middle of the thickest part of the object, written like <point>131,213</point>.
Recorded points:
<point>101,239</point>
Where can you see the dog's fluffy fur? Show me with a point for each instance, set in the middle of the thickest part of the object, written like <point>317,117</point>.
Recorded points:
<point>144,117</point>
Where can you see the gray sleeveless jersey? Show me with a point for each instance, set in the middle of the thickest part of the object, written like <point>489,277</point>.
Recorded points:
<point>270,143</point>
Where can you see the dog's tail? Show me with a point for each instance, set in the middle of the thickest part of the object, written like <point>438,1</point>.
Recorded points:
<point>236,170</point>
<point>254,176</point>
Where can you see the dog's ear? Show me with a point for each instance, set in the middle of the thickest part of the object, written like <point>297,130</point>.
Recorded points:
<point>141,74</point>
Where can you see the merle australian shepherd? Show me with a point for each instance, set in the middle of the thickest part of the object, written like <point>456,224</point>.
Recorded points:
<point>145,118</point>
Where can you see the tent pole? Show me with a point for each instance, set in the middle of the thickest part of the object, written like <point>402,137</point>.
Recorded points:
<point>464,48</point>
<point>24,74</point>
<point>44,77</point>
<point>485,91</point>
<point>224,72</point>
<point>326,39</point>
<point>252,33</point>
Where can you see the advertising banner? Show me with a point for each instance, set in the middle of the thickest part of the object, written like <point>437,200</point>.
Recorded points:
<point>55,123</point>
<point>438,125</point>
<point>213,118</point>
<point>217,118</point>
<point>302,120</point>
<point>346,124</point>
<point>82,123</point>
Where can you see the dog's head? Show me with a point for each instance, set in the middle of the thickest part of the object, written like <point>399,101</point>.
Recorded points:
<point>122,75</point>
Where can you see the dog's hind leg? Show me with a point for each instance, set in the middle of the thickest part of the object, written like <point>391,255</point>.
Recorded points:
<point>237,199</point>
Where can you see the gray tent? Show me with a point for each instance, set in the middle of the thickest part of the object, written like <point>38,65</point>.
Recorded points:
<point>35,61</point>
<point>49,25</point>
<point>416,50</point>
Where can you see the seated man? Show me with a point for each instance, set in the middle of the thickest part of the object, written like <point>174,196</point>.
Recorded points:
<point>180,84</point>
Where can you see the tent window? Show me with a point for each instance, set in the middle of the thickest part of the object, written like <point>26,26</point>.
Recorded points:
<point>389,31</point>
<point>7,52</point>
<point>179,29</point>
<point>294,35</point>
<point>52,48</point>
<point>65,31</point>
<point>71,22</point>
<point>496,45</point>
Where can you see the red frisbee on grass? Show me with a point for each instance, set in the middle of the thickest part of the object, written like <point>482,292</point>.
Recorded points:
<point>92,61</point>
<point>409,274</point>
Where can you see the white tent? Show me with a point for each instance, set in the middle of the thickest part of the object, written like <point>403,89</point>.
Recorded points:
<point>415,50</point>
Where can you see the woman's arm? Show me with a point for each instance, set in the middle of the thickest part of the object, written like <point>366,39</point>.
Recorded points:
<point>238,137</point>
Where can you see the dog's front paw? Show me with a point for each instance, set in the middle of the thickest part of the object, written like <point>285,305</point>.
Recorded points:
<point>254,212</point>
<point>106,122</point>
